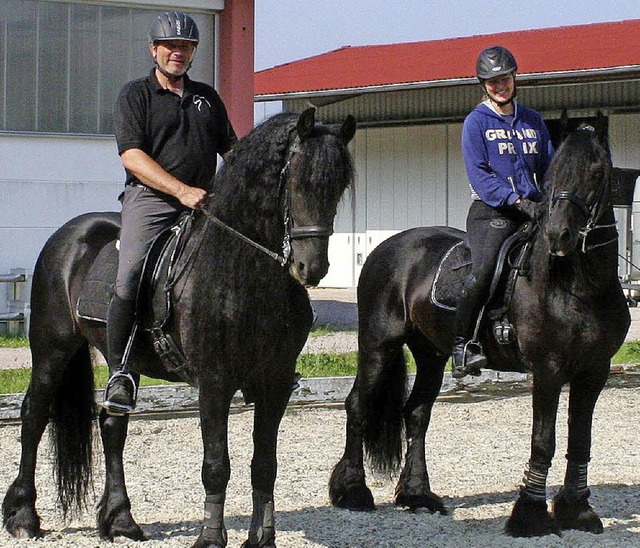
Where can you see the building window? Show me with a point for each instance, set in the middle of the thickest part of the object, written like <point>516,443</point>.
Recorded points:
<point>62,64</point>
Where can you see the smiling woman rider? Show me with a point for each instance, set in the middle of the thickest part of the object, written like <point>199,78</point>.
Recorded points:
<point>506,149</point>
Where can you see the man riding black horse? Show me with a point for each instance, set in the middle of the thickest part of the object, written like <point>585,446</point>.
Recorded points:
<point>169,130</point>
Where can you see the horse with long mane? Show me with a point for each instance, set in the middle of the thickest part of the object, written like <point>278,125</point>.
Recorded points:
<point>569,315</point>
<point>241,316</point>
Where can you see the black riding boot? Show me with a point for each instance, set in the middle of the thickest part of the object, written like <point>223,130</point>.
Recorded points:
<point>120,394</point>
<point>467,355</point>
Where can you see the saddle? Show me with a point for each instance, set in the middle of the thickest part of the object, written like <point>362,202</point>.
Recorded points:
<point>154,298</point>
<point>512,262</point>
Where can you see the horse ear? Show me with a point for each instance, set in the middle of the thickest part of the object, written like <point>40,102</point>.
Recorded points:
<point>348,129</point>
<point>601,125</point>
<point>564,124</point>
<point>305,123</point>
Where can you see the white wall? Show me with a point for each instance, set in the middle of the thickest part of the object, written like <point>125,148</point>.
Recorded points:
<point>44,182</point>
<point>405,177</point>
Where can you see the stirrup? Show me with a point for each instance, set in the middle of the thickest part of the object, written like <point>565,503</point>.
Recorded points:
<point>473,349</point>
<point>470,349</point>
<point>118,409</point>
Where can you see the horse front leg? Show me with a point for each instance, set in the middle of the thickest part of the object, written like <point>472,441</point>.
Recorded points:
<point>571,506</point>
<point>413,489</point>
<point>267,416</point>
<point>530,517</point>
<point>114,509</point>
<point>216,467</point>
<point>347,486</point>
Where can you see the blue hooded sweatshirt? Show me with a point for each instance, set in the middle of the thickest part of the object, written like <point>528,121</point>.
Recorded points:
<point>506,157</point>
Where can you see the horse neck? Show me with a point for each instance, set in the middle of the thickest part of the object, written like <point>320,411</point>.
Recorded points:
<point>247,201</point>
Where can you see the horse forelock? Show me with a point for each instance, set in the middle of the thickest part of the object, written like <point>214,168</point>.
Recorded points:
<point>326,167</point>
<point>579,156</point>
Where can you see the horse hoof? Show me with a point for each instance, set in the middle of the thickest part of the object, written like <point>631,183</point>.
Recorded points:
<point>123,526</point>
<point>356,499</point>
<point>530,518</point>
<point>576,513</point>
<point>347,488</point>
<point>429,500</point>
<point>23,524</point>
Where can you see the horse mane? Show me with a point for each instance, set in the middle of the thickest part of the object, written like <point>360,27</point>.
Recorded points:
<point>580,153</point>
<point>244,283</point>
<point>246,184</point>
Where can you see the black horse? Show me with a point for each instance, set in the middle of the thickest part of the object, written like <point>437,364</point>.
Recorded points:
<point>569,315</point>
<point>239,316</point>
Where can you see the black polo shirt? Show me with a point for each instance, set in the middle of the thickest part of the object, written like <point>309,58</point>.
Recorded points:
<point>183,134</point>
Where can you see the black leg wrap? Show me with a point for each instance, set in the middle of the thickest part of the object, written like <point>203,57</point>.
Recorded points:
<point>535,482</point>
<point>571,506</point>
<point>213,522</point>
<point>263,524</point>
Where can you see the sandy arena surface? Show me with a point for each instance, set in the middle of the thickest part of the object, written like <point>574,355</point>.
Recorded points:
<point>476,451</point>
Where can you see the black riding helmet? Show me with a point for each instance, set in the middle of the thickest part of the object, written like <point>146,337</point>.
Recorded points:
<point>495,61</point>
<point>174,25</point>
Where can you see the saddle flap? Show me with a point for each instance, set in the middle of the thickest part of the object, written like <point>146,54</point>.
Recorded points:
<point>97,287</point>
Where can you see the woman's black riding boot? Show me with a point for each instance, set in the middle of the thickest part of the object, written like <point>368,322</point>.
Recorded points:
<point>467,356</point>
<point>120,394</point>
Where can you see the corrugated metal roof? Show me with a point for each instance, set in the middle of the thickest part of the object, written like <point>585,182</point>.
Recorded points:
<point>594,48</point>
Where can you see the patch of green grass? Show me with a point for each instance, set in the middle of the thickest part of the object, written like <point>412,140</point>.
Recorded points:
<point>13,341</point>
<point>628,353</point>
<point>13,381</point>
<point>324,329</point>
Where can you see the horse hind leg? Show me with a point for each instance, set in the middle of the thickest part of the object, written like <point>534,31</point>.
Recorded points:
<point>19,513</point>
<point>570,506</point>
<point>413,489</point>
<point>114,517</point>
<point>374,420</point>
<point>347,485</point>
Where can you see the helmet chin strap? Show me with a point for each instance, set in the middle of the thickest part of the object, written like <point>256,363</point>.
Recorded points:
<point>171,77</point>
<point>501,103</point>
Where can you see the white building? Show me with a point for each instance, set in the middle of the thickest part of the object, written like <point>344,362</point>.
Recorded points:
<point>62,64</point>
<point>410,101</point>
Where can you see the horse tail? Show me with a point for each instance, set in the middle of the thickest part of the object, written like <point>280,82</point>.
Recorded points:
<point>382,402</point>
<point>72,412</point>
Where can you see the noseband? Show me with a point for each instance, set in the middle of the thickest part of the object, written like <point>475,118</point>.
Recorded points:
<point>592,213</point>
<point>290,232</point>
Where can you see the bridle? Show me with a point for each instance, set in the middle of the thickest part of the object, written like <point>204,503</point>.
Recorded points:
<point>291,232</point>
<point>592,213</point>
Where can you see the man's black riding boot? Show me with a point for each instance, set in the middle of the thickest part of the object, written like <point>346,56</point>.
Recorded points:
<point>120,394</point>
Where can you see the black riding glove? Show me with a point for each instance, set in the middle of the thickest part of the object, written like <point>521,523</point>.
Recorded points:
<point>533,210</point>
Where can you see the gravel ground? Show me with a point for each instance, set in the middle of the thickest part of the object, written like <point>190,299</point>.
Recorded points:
<point>476,450</point>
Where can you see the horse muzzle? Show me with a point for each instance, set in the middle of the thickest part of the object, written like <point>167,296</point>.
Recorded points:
<point>562,240</point>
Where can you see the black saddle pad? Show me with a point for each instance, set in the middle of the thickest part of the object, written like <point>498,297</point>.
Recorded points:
<point>453,269</point>
<point>153,297</point>
<point>98,285</point>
